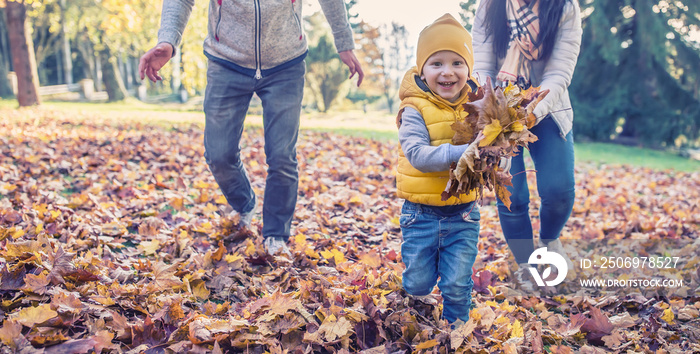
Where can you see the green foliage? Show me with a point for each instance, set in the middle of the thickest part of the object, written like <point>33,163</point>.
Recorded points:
<point>637,72</point>
<point>467,13</point>
<point>325,72</point>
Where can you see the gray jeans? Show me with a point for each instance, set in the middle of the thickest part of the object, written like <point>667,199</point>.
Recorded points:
<point>226,102</point>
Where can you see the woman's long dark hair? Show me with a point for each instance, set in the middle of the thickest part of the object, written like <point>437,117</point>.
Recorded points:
<point>497,26</point>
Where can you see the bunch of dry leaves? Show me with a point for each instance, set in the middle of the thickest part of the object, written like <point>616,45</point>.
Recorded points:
<point>496,125</point>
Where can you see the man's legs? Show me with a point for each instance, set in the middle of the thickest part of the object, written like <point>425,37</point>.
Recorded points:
<point>281,95</point>
<point>226,101</point>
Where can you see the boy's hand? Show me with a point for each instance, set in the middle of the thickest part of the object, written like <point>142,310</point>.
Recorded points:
<point>348,57</point>
<point>155,59</point>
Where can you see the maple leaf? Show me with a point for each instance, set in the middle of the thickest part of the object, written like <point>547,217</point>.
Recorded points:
<point>464,131</point>
<point>164,276</point>
<point>331,329</point>
<point>427,344</point>
<point>597,326</point>
<point>461,333</point>
<point>61,265</point>
<point>30,316</point>
<point>482,280</point>
<point>335,255</point>
<point>491,132</point>
<point>37,284</point>
<point>11,334</point>
<point>66,303</point>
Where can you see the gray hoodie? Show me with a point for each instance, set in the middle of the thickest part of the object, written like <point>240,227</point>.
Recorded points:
<point>254,37</point>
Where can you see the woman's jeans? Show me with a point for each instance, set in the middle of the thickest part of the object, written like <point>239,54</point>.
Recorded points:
<point>554,162</point>
<point>435,246</point>
<point>226,101</point>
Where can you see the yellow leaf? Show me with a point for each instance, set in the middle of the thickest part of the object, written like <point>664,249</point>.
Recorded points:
<point>491,132</point>
<point>668,316</point>
<point>517,330</point>
<point>17,234</point>
<point>517,126</point>
<point>149,247</point>
<point>230,258</point>
<point>371,259</point>
<point>41,209</point>
<point>113,229</point>
<point>356,200</point>
<point>221,200</point>
<point>178,204</point>
<point>500,321</point>
<point>338,256</point>
<point>199,289</point>
<point>311,253</point>
<point>32,315</point>
<point>300,239</point>
<point>427,345</point>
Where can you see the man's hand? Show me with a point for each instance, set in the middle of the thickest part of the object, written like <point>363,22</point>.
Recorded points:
<point>155,59</point>
<point>348,57</point>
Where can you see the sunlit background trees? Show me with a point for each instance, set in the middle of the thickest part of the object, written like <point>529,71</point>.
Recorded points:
<point>636,80</point>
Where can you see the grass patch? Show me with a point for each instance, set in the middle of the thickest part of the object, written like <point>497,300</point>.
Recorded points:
<point>613,154</point>
<point>379,135</point>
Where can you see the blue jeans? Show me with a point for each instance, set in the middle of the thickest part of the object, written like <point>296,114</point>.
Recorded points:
<point>554,161</point>
<point>435,246</point>
<point>226,102</point>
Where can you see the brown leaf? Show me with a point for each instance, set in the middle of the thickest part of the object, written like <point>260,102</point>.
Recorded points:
<point>74,346</point>
<point>597,326</point>
<point>66,303</point>
<point>37,284</point>
<point>61,265</point>
<point>464,132</point>
<point>10,333</point>
<point>461,333</point>
<point>482,280</point>
<point>164,276</point>
<point>30,316</point>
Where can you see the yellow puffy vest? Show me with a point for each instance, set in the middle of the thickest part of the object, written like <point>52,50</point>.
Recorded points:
<point>438,114</point>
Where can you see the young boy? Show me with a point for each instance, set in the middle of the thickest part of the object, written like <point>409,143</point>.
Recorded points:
<point>439,237</point>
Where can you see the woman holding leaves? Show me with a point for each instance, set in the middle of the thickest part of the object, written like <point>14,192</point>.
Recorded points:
<point>534,43</point>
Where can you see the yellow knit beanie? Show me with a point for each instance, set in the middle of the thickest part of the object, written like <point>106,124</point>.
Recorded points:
<point>445,33</point>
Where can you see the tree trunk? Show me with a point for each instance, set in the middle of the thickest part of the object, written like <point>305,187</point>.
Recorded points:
<point>5,87</point>
<point>112,78</point>
<point>85,49</point>
<point>23,59</point>
<point>66,58</point>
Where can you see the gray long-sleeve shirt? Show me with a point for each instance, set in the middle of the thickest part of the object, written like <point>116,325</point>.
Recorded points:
<point>415,142</point>
<point>256,36</point>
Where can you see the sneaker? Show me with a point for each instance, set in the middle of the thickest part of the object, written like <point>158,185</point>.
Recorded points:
<point>244,219</point>
<point>523,278</point>
<point>276,245</point>
<point>557,247</point>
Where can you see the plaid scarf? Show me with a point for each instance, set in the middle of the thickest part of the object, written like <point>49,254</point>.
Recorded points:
<point>522,45</point>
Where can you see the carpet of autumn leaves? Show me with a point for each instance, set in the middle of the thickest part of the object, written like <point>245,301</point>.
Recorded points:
<point>114,239</point>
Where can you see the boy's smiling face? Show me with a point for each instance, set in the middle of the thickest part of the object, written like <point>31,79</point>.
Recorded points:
<point>446,73</point>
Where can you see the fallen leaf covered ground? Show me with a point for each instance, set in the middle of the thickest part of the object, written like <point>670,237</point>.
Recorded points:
<point>115,238</point>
